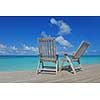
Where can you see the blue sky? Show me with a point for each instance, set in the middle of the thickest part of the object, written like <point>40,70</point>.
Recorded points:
<point>18,35</point>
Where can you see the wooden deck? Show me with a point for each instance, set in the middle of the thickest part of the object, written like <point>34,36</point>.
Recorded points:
<point>90,74</point>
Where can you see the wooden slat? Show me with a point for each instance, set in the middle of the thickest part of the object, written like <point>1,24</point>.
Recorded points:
<point>47,47</point>
<point>48,69</point>
<point>81,49</point>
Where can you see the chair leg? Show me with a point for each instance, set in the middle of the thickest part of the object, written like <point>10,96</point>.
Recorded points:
<point>38,69</point>
<point>73,69</point>
<point>56,67</point>
<point>61,67</point>
<point>42,65</point>
<point>79,63</point>
<point>80,66</point>
<point>71,64</point>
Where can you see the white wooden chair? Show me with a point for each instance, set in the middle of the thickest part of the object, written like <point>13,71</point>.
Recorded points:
<point>47,53</point>
<point>75,57</point>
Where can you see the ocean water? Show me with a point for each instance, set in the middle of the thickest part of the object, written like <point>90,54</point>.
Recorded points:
<point>16,63</point>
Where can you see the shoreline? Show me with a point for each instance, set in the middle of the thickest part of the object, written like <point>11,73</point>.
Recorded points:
<point>35,69</point>
<point>89,74</point>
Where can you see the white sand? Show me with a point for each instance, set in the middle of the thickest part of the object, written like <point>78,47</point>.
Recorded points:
<point>90,73</point>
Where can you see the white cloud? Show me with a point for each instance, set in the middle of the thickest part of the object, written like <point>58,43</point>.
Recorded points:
<point>25,47</point>
<point>28,48</point>
<point>53,21</point>
<point>43,34</point>
<point>64,28</point>
<point>13,50</point>
<point>2,46</point>
<point>63,42</point>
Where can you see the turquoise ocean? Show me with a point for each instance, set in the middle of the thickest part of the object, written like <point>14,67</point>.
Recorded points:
<point>17,63</point>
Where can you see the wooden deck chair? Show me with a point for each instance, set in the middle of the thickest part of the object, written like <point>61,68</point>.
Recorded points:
<point>75,57</point>
<point>47,53</point>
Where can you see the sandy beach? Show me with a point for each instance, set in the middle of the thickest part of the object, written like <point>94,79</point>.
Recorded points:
<point>89,74</point>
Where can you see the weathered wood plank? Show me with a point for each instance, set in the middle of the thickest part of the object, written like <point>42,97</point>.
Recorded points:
<point>82,48</point>
<point>47,47</point>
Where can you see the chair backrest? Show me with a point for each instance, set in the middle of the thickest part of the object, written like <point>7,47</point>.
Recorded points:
<point>47,47</point>
<point>82,48</point>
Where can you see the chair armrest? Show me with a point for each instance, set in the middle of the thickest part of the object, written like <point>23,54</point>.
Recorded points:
<point>70,55</point>
<point>65,54</point>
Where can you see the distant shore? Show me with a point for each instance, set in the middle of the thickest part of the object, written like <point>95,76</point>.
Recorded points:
<point>89,74</point>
